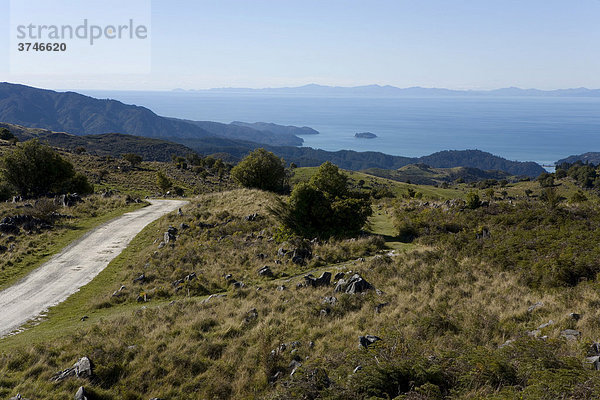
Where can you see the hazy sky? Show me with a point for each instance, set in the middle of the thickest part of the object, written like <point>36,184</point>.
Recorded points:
<point>462,44</point>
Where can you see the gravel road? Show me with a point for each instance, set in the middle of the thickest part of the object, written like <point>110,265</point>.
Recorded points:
<point>74,266</point>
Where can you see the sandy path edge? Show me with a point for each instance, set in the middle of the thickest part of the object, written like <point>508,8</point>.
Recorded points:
<point>75,266</point>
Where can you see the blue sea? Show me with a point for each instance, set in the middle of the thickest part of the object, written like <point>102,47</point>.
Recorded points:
<point>540,129</point>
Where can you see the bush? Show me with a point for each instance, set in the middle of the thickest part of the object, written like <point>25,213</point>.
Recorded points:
<point>35,169</point>
<point>262,170</point>
<point>324,207</point>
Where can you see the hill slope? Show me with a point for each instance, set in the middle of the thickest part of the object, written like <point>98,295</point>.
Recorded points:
<point>78,114</point>
<point>590,157</point>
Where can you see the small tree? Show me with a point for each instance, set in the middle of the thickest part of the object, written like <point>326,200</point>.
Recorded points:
<point>133,159</point>
<point>473,200</point>
<point>162,181</point>
<point>261,169</point>
<point>324,206</point>
<point>34,169</point>
<point>5,134</point>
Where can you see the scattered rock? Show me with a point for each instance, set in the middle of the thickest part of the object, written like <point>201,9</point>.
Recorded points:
<point>183,226</point>
<point>356,284</point>
<point>119,292</point>
<point>570,334</point>
<point>228,277</point>
<point>251,315</point>
<point>325,311</point>
<point>595,361</point>
<point>84,318</point>
<point>323,280</point>
<point>509,341</point>
<point>547,324</point>
<point>18,397</point>
<point>179,212</point>
<point>251,217</point>
<point>331,300</point>
<point>358,368</point>
<point>265,271</point>
<point>339,275</point>
<point>575,316</point>
<point>190,277</point>
<point>238,285</point>
<point>281,288</point>
<point>170,235</point>
<point>535,306</point>
<point>294,365</point>
<point>68,200</point>
<point>140,279</point>
<point>282,252</point>
<point>81,394</point>
<point>81,369</point>
<point>366,341</point>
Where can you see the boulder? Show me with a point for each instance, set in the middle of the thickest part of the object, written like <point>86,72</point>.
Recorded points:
<point>570,334</point>
<point>356,284</point>
<point>265,271</point>
<point>366,341</point>
<point>81,369</point>
<point>170,235</point>
<point>323,280</point>
<point>81,394</point>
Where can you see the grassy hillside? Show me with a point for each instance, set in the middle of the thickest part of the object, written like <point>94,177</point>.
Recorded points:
<point>469,300</point>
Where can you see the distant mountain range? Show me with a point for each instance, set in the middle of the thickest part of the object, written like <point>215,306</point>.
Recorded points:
<point>79,115</point>
<point>393,91</point>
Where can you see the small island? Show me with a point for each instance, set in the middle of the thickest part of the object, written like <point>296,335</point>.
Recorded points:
<point>365,135</point>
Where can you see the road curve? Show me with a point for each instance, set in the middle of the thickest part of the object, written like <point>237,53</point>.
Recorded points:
<point>74,266</point>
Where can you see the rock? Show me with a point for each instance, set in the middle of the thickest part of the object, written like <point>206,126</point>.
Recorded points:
<point>161,245</point>
<point>547,324</point>
<point>595,361</point>
<point>323,280</point>
<point>358,368</point>
<point>575,316</point>
<point>119,292</point>
<point>535,306</point>
<point>170,235</point>
<point>265,271</point>
<point>228,277</point>
<point>238,285</point>
<point>339,275</point>
<point>18,397</point>
<point>570,334</point>
<point>300,255</point>
<point>508,342</point>
<point>84,318</point>
<point>281,288</point>
<point>251,316</point>
<point>140,279</point>
<point>294,365</point>
<point>275,377</point>
<point>324,312</point>
<point>179,212</point>
<point>594,349</point>
<point>81,394</point>
<point>331,300</point>
<point>366,341</point>
<point>68,200</point>
<point>183,226</point>
<point>251,217</point>
<point>356,284</point>
<point>282,252</point>
<point>205,225</point>
<point>81,369</point>
<point>190,277</point>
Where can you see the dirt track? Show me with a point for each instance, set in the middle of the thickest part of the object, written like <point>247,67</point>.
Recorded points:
<point>74,266</point>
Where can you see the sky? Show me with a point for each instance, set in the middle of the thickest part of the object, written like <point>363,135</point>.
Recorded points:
<point>199,44</point>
